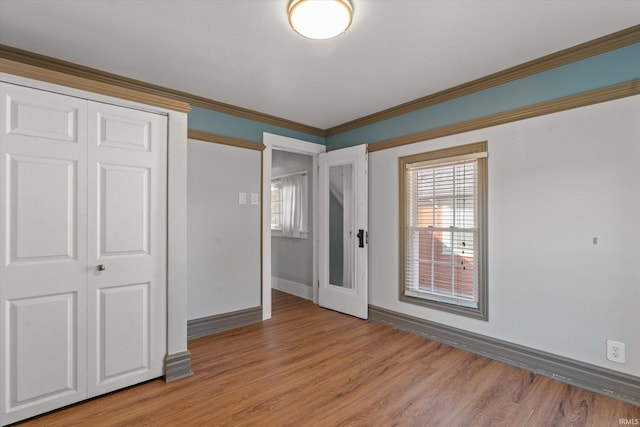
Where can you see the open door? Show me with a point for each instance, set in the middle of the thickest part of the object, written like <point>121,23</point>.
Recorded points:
<point>343,231</point>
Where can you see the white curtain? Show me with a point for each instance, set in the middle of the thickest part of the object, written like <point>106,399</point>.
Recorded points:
<point>294,205</point>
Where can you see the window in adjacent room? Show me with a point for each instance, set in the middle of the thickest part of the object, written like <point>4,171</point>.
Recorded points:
<point>443,214</point>
<point>289,205</point>
<point>276,204</point>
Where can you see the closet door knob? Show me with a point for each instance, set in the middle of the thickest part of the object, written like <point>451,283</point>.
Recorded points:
<point>101,267</point>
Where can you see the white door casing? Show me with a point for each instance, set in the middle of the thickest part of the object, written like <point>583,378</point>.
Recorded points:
<point>343,183</point>
<point>59,319</point>
<point>283,143</point>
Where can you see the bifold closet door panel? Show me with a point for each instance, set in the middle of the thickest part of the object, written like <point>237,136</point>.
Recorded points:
<point>127,246</point>
<point>43,261</point>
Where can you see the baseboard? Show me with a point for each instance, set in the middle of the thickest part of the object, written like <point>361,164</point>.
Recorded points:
<point>177,366</point>
<point>590,377</point>
<point>223,322</point>
<point>294,288</point>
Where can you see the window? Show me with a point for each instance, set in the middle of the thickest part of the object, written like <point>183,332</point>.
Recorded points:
<point>276,204</point>
<point>289,205</point>
<point>443,229</point>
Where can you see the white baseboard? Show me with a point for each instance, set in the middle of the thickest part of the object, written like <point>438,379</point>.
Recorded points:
<point>294,288</point>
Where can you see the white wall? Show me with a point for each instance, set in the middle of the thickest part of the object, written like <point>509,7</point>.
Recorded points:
<point>555,183</point>
<point>292,258</point>
<point>223,237</point>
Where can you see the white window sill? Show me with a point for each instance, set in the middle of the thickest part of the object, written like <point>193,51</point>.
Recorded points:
<point>278,233</point>
<point>433,296</point>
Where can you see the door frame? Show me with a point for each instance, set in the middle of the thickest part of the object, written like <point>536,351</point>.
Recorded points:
<point>176,260</point>
<point>283,143</point>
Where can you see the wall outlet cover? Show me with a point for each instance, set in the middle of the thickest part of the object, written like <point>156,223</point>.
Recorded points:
<point>616,352</point>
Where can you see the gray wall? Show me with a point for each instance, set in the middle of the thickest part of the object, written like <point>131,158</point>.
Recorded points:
<point>555,183</point>
<point>291,258</point>
<point>223,237</point>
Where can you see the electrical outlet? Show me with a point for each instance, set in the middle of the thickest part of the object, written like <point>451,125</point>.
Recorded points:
<point>616,351</point>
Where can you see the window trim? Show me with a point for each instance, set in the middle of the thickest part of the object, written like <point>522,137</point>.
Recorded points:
<point>443,156</point>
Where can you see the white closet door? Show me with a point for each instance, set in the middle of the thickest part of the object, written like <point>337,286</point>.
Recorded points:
<point>43,237</point>
<point>127,246</point>
<point>82,249</point>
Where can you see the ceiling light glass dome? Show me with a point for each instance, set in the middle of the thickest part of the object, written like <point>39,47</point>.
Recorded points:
<point>320,19</point>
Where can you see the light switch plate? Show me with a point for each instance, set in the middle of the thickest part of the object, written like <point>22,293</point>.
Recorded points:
<point>254,198</point>
<point>242,198</point>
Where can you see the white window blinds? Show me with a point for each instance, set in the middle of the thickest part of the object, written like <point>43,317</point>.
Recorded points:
<point>441,232</point>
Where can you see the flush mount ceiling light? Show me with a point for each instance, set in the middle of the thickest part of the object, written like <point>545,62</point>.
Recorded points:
<point>320,19</point>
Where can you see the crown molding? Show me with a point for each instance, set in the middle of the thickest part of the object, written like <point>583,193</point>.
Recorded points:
<point>43,74</point>
<point>591,48</point>
<point>596,96</point>
<point>45,63</point>
<point>80,71</point>
<point>225,140</point>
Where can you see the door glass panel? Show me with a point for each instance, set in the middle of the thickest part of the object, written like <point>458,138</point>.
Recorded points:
<point>341,232</point>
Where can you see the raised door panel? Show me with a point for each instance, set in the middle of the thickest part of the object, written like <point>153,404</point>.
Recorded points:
<point>43,235</point>
<point>44,115</point>
<point>127,211</point>
<point>123,331</point>
<point>42,349</point>
<point>124,131</point>
<point>124,210</point>
<point>42,209</point>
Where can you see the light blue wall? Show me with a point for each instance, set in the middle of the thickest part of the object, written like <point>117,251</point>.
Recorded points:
<point>225,124</point>
<point>616,66</point>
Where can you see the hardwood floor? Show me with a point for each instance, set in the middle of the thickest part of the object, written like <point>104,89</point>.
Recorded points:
<point>313,367</point>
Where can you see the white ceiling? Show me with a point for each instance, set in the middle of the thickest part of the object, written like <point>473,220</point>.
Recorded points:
<point>242,52</point>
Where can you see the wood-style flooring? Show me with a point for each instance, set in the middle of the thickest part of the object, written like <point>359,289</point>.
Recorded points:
<point>308,366</point>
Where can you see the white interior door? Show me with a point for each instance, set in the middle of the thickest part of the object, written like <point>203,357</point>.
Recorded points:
<point>343,231</point>
<point>82,249</point>
<point>127,246</point>
<point>43,247</point>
